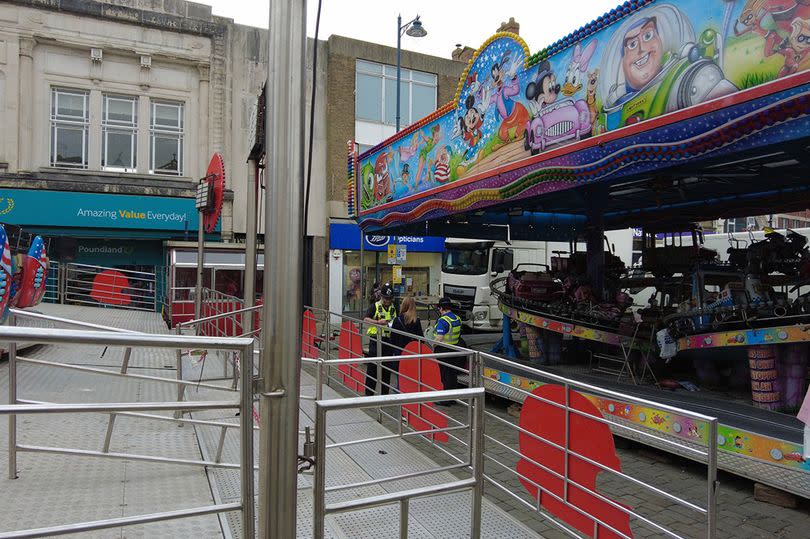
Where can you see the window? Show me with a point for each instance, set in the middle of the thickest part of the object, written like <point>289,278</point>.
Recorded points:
<point>376,93</point>
<point>119,126</point>
<point>69,122</point>
<point>166,134</point>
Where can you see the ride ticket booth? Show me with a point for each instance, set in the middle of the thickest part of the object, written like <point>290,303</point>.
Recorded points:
<point>223,272</point>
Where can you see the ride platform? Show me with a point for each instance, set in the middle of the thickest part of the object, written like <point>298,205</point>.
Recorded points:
<point>762,445</point>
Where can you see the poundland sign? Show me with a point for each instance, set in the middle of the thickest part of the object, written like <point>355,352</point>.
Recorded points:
<point>96,210</point>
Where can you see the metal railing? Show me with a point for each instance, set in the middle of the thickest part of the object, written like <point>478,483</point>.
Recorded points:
<point>474,463</point>
<point>502,452</point>
<point>130,340</point>
<point>110,287</point>
<point>706,454</point>
<point>52,283</point>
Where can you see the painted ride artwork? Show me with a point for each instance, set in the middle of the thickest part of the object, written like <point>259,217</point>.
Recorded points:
<point>23,274</point>
<point>640,119</point>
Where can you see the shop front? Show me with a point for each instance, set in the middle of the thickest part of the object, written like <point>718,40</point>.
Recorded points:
<point>125,232</point>
<point>411,264</point>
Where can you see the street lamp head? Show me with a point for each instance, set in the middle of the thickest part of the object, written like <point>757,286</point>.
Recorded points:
<point>416,29</point>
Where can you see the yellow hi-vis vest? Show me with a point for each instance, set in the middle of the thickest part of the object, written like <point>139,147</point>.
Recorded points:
<point>381,313</point>
<point>454,335</point>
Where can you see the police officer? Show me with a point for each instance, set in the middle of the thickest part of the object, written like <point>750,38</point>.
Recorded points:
<point>379,316</point>
<point>448,331</point>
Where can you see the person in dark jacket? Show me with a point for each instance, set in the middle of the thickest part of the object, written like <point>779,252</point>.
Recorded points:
<point>408,322</point>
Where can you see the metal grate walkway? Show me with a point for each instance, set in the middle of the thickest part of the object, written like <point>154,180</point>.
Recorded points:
<point>56,489</point>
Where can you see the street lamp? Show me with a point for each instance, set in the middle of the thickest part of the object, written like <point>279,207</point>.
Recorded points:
<point>413,28</point>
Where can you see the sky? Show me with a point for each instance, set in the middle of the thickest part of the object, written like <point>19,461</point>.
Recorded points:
<point>447,22</point>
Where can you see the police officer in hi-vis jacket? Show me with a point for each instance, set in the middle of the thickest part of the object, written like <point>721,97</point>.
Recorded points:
<point>379,316</point>
<point>448,331</point>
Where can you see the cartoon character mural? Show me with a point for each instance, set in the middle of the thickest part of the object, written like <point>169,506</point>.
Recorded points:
<point>652,66</point>
<point>441,168</point>
<point>382,179</point>
<point>795,47</point>
<point>653,60</point>
<point>770,19</point>
<point>470,124</point>
<point>578,68</point>
<point>554,121</point>
<point>505,87</point>
<point>426,151</point>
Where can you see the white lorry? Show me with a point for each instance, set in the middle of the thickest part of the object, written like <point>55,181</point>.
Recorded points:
<point>468,266</point>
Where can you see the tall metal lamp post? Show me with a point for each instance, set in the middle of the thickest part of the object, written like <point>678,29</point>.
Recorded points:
<point>413,28</point>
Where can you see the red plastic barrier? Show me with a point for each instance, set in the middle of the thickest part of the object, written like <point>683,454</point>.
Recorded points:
<point>308,335</point>
<point>350,345</point>
<point>586,437</point>
<point>426,371</point>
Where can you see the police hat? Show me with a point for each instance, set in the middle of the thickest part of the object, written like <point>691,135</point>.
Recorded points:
<point>445,303</point>
<point>387,291</point>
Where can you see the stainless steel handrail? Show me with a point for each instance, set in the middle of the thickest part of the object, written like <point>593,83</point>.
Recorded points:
<point>707,453</point>
<point>196,321</point>
<point>15,335</point>
<point>474,463</point>
<point>20,313</point>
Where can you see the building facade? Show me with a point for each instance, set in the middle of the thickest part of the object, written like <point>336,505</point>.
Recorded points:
<point>113,108</point>
<point>361,106</point>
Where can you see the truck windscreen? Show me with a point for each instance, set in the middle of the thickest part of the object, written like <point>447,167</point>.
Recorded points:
<point>465,261</point>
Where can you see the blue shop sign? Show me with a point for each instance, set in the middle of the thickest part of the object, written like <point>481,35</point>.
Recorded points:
<point>35,207</point>
<point>346,236</point>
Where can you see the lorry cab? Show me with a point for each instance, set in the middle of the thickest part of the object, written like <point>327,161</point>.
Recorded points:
<point>468,266</point>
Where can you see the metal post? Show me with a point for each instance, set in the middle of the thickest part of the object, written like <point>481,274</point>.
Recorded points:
<point>472,368</point>
<point>200,262</point>
<point>399,62</point>
<point>403,519</point>
<point>246,444</point>
<point>179,375</point>
<point>320,365</point>
<point>477,465</point>
<point>362,277</point>
<point>281,362</point>
<point>567,438</point>
<point>378,368</point>
<point>319,489</point>
<point>711,503</point>
<point>221,443</point>
<point>12,399</point>
<point>111,421</point>
<point>250,247</point>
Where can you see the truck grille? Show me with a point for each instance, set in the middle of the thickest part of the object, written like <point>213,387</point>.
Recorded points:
<point>463,296</point>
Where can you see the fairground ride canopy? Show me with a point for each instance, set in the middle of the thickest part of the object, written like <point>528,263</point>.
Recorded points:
<point>656,113</point>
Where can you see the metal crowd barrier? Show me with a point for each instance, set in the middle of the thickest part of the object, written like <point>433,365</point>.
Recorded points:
<point>110,287</point>
<point>128,339</point>
<point>474,463</point>
<point>325,365</point>
<point>52,283</point>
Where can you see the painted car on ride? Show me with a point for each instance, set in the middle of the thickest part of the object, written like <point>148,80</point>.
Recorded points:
<point>558,122</point>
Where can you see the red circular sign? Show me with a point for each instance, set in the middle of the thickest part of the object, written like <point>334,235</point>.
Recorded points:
<point>215,175</point>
